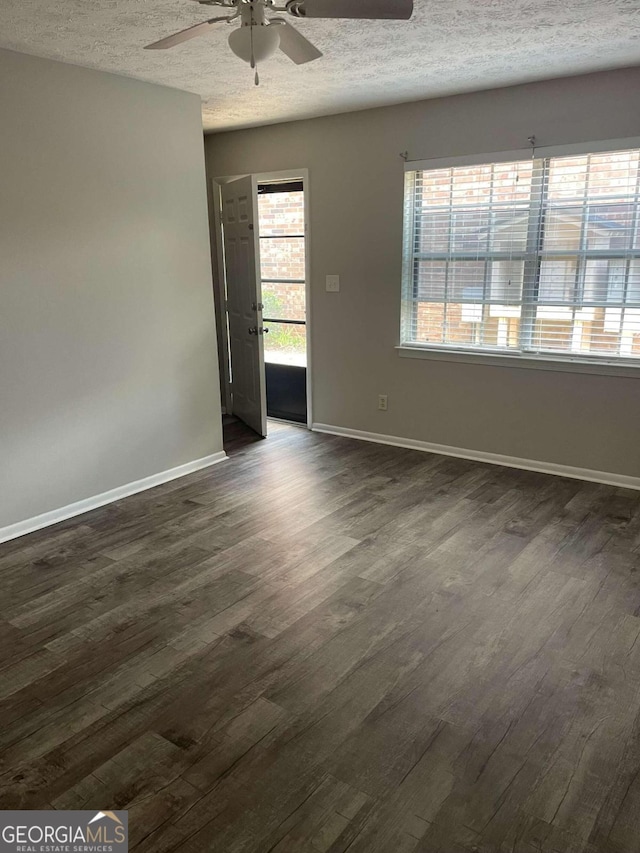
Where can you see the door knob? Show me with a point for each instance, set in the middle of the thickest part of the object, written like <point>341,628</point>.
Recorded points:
<point>263,331</point>
<point>253,330</point>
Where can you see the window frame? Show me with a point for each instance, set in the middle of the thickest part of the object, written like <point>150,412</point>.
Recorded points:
<point>524,358</point>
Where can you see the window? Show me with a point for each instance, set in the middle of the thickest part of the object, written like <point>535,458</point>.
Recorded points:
<point>538,257</point>
<point>281,230</point>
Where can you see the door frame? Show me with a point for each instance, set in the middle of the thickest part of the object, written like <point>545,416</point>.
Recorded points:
<point>220,284</point>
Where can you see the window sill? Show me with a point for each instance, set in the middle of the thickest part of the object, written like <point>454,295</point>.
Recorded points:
<point>497,359</point>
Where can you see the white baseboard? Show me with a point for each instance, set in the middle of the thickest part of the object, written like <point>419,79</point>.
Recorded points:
<point>21,528</point>
<point>609,479</point>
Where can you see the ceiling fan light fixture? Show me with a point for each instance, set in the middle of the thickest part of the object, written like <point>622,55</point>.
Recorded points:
<point>259,36</point>
<point>266,40</point>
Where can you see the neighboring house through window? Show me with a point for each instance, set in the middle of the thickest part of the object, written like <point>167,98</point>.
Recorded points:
<point>537,257</point>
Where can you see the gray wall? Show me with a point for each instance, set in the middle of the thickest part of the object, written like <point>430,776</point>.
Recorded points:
<point>108,363</point>
<point>356,189</point>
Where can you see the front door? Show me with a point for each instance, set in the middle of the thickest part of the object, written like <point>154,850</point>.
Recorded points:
<point>246,339</point>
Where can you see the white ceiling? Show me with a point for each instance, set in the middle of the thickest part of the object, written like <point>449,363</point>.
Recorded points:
<point>449,46</point>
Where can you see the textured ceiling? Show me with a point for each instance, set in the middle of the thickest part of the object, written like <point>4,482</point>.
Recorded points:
<point>449,46</point>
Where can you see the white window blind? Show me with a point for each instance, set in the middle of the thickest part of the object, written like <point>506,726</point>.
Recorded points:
<point>537,256</point>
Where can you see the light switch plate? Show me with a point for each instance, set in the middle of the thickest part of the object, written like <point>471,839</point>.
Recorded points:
<point>333,283</point>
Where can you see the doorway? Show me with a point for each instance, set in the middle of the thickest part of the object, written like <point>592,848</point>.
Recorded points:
<point>282,243</point>
<point>262,292</point>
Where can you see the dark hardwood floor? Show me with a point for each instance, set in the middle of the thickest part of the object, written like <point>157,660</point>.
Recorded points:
<point>329,645</point>
<point>238,435</point>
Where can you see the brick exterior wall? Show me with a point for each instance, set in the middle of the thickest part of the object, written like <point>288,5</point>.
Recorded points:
<point>281,213</point>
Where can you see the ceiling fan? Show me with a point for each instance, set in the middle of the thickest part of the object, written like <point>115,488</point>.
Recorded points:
<point>258,36</point>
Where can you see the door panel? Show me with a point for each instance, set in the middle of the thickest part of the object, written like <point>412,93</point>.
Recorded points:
<point>243,297</point>
<point>287,392</point>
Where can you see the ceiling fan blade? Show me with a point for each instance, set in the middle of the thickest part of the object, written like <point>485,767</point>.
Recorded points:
<point>400,10</point>
<point>294,44</point>
<point>184,35</point>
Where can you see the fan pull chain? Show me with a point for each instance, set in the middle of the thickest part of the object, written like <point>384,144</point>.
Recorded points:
<point>253,61</point>
<point>256,79</point>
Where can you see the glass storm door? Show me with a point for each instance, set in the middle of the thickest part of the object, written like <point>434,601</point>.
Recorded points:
<point>282,272</point>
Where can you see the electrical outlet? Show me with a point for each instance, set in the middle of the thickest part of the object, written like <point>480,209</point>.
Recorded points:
<point>333,283</point>
<point>382,402</point>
